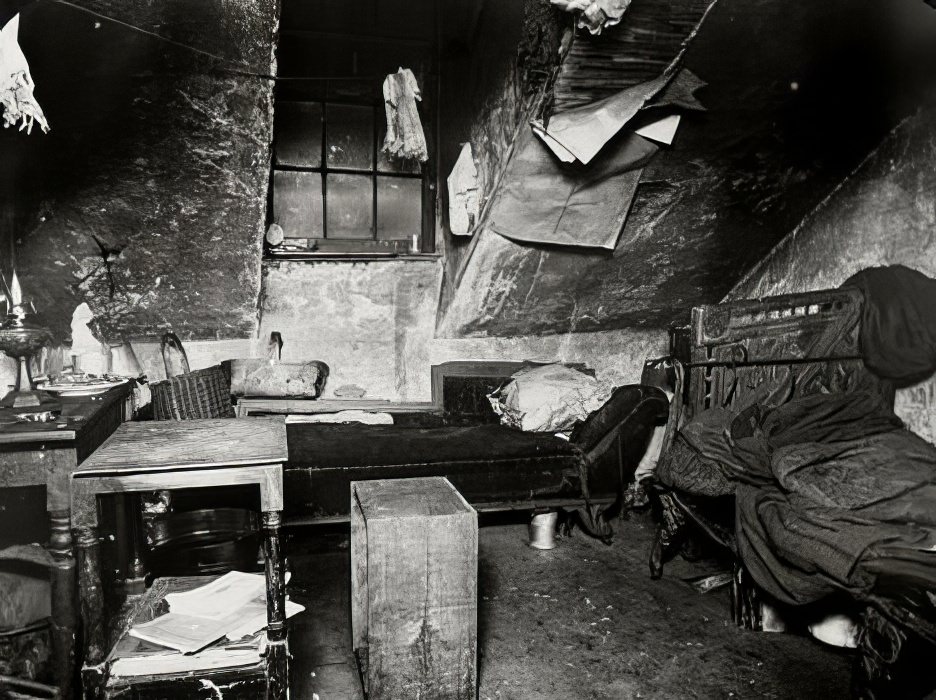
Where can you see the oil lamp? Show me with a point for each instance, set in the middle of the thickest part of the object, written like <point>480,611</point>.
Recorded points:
<point>21,339</point>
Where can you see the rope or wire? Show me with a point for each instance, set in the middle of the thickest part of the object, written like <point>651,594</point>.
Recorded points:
<point>208,54</point>
<point>140,30</point>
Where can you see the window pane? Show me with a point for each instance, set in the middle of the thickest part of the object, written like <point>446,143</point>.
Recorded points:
<point>350,206</point>
<point>350,133</point>
<point>399,208</point>
<point>298,131</point>
<point>386,164</point>
<point>297,203</point>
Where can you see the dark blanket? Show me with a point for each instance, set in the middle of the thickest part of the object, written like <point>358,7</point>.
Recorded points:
<point>836,495</point>
<point>898,323</point>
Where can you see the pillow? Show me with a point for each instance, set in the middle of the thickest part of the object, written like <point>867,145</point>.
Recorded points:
<point>548,398</point>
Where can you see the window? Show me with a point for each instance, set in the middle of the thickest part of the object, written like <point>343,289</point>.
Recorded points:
<point>334,190</point>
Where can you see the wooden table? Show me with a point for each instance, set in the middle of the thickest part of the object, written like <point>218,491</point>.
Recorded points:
<point>43,454</point>
<point>156,455</point>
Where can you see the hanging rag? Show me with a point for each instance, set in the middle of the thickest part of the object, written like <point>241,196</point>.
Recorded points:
<point>595,14</point>
<point>405,138</point>
<point>16,84</point>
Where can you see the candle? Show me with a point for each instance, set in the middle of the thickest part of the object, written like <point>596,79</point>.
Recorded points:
<point>16,293</point>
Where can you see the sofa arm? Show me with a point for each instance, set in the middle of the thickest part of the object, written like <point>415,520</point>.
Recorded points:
<point>632,411</point>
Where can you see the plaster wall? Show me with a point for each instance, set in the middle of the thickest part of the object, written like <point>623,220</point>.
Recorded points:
<point>374,325</point>
<point>370,322</point>
<point>883,214</point>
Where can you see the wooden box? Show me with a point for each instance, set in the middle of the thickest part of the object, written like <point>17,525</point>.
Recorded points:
<point>414,589</point>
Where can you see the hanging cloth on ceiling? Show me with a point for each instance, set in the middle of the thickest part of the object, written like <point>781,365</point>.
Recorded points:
<point>17,100</point>
<point>405,138</point>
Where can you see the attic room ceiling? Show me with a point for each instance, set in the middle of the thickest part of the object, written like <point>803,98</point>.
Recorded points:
<point>798,95</point>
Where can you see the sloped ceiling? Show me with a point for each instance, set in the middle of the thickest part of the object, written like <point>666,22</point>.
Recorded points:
<point>798,95</point>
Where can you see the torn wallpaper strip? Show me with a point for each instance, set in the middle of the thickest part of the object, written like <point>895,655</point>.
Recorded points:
<point>405,137</point>
<point>582,132</point>
<point>595,14</point>
<point>585,130</point>
<point>464,206</point>
<point>16,84</point>
<point>543,201</point>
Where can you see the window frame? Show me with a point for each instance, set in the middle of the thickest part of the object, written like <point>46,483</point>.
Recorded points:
<point>374,247</point>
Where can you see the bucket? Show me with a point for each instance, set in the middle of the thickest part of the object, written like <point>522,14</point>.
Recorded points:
<point>543,530</point>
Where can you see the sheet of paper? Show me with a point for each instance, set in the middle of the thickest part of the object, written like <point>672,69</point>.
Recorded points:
<point>464,205</point>
<point>545,202</point>
<point>584,131</point>
<point>217,599</point>
<point>662,131</point>
<point>561,152</point>
<point>253,618</point>
<point>149,661</point>
<point>183,633</point>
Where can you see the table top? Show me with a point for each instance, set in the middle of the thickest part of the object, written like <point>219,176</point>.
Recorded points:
<point>420,497</point>
<point>190,444</point>
<point>78,414</point>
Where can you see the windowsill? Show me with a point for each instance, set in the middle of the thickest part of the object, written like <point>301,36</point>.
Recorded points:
<point>298,256</point>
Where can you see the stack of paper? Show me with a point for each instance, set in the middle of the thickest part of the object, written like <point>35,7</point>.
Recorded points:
<point>217,625</point>
<point>138,658</point>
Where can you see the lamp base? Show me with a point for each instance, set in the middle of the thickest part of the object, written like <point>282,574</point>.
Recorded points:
<point>30,402</point>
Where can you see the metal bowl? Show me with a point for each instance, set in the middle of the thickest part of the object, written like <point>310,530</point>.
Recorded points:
<point>206,541</point>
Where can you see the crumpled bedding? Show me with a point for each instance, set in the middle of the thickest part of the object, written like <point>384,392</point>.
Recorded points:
<point>833,494</point>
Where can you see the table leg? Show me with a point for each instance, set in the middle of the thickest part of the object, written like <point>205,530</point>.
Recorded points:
<point>91,600</point>
<point>276,607</point>
<point>129,543</point>
<point>64,618</point>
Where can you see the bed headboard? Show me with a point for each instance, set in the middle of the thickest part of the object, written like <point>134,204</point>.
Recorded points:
<point>736,347</point>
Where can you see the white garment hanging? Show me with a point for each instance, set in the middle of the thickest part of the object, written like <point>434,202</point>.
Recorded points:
<point>17,100</point>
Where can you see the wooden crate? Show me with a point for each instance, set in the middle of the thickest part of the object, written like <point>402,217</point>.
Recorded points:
<point>414,589</point>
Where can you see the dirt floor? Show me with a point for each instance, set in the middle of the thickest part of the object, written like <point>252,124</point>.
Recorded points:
<point>581,621</point>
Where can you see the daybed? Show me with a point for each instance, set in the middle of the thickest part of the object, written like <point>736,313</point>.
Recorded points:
<point>492,466</point>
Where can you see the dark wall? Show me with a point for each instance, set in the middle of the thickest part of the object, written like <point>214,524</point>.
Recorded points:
<point>798,95</point>
<point>148,198</point>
